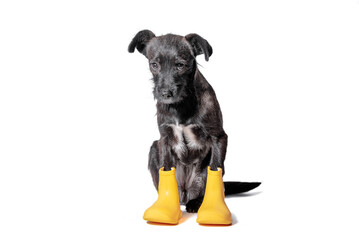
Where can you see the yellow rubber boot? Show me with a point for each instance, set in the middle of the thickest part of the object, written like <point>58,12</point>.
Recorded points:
<point>214,209</point>
<point>167,207</point>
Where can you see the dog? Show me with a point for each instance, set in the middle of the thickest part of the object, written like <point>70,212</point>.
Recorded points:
<point>188,115</point>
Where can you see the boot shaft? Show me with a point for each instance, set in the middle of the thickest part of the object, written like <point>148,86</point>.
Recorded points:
<point>214,183</point>
<point>167,186</point>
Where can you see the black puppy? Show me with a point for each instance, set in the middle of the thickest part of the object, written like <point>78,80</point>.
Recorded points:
<point>188,115</point>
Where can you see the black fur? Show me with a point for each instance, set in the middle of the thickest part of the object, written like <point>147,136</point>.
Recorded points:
<point>140,41</point>
<point>188,115</point>
<point>199,45</point>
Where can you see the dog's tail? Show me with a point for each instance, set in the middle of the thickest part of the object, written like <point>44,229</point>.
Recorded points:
<point>239,187</point>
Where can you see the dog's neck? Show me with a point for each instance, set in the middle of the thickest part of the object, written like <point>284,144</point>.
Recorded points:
<point>182,111</point>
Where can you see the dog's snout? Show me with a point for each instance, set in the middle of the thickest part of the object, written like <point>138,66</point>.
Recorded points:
<point>166,93</point>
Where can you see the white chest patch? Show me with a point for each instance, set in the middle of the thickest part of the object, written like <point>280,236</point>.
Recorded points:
<point>185,137</point>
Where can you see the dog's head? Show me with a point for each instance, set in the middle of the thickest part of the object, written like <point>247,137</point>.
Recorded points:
<point>172,62</point>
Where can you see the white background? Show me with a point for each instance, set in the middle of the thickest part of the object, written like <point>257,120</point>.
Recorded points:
<point>77,116</point>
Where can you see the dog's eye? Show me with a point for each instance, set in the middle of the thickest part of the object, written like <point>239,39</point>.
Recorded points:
<point>179,66</point>
<point>154,66</point>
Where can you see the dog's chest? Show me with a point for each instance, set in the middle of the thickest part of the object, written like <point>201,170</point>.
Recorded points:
<point>186,138</point>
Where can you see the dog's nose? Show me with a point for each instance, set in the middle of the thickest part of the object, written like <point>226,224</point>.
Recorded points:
<point>166,94</point>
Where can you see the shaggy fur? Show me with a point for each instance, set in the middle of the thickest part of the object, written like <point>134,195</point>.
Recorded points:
<point>188,115</point>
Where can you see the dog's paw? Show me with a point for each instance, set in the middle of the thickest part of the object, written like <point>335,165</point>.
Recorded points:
<point>193,205</point>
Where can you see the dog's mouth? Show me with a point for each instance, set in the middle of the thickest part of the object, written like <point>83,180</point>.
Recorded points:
<point>167,100</point>
<point>167,96</point>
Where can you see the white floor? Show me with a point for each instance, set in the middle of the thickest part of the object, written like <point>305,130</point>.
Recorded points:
<point>77,117</point>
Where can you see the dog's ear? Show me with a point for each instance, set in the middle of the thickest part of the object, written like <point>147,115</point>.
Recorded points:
<point>140,41</point>
<point>199,45</point>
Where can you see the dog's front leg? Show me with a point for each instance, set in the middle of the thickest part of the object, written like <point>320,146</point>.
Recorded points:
<point>166,158</point>
<point>167,139</point>
<point>213,209</point>
<point>219,149</point>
